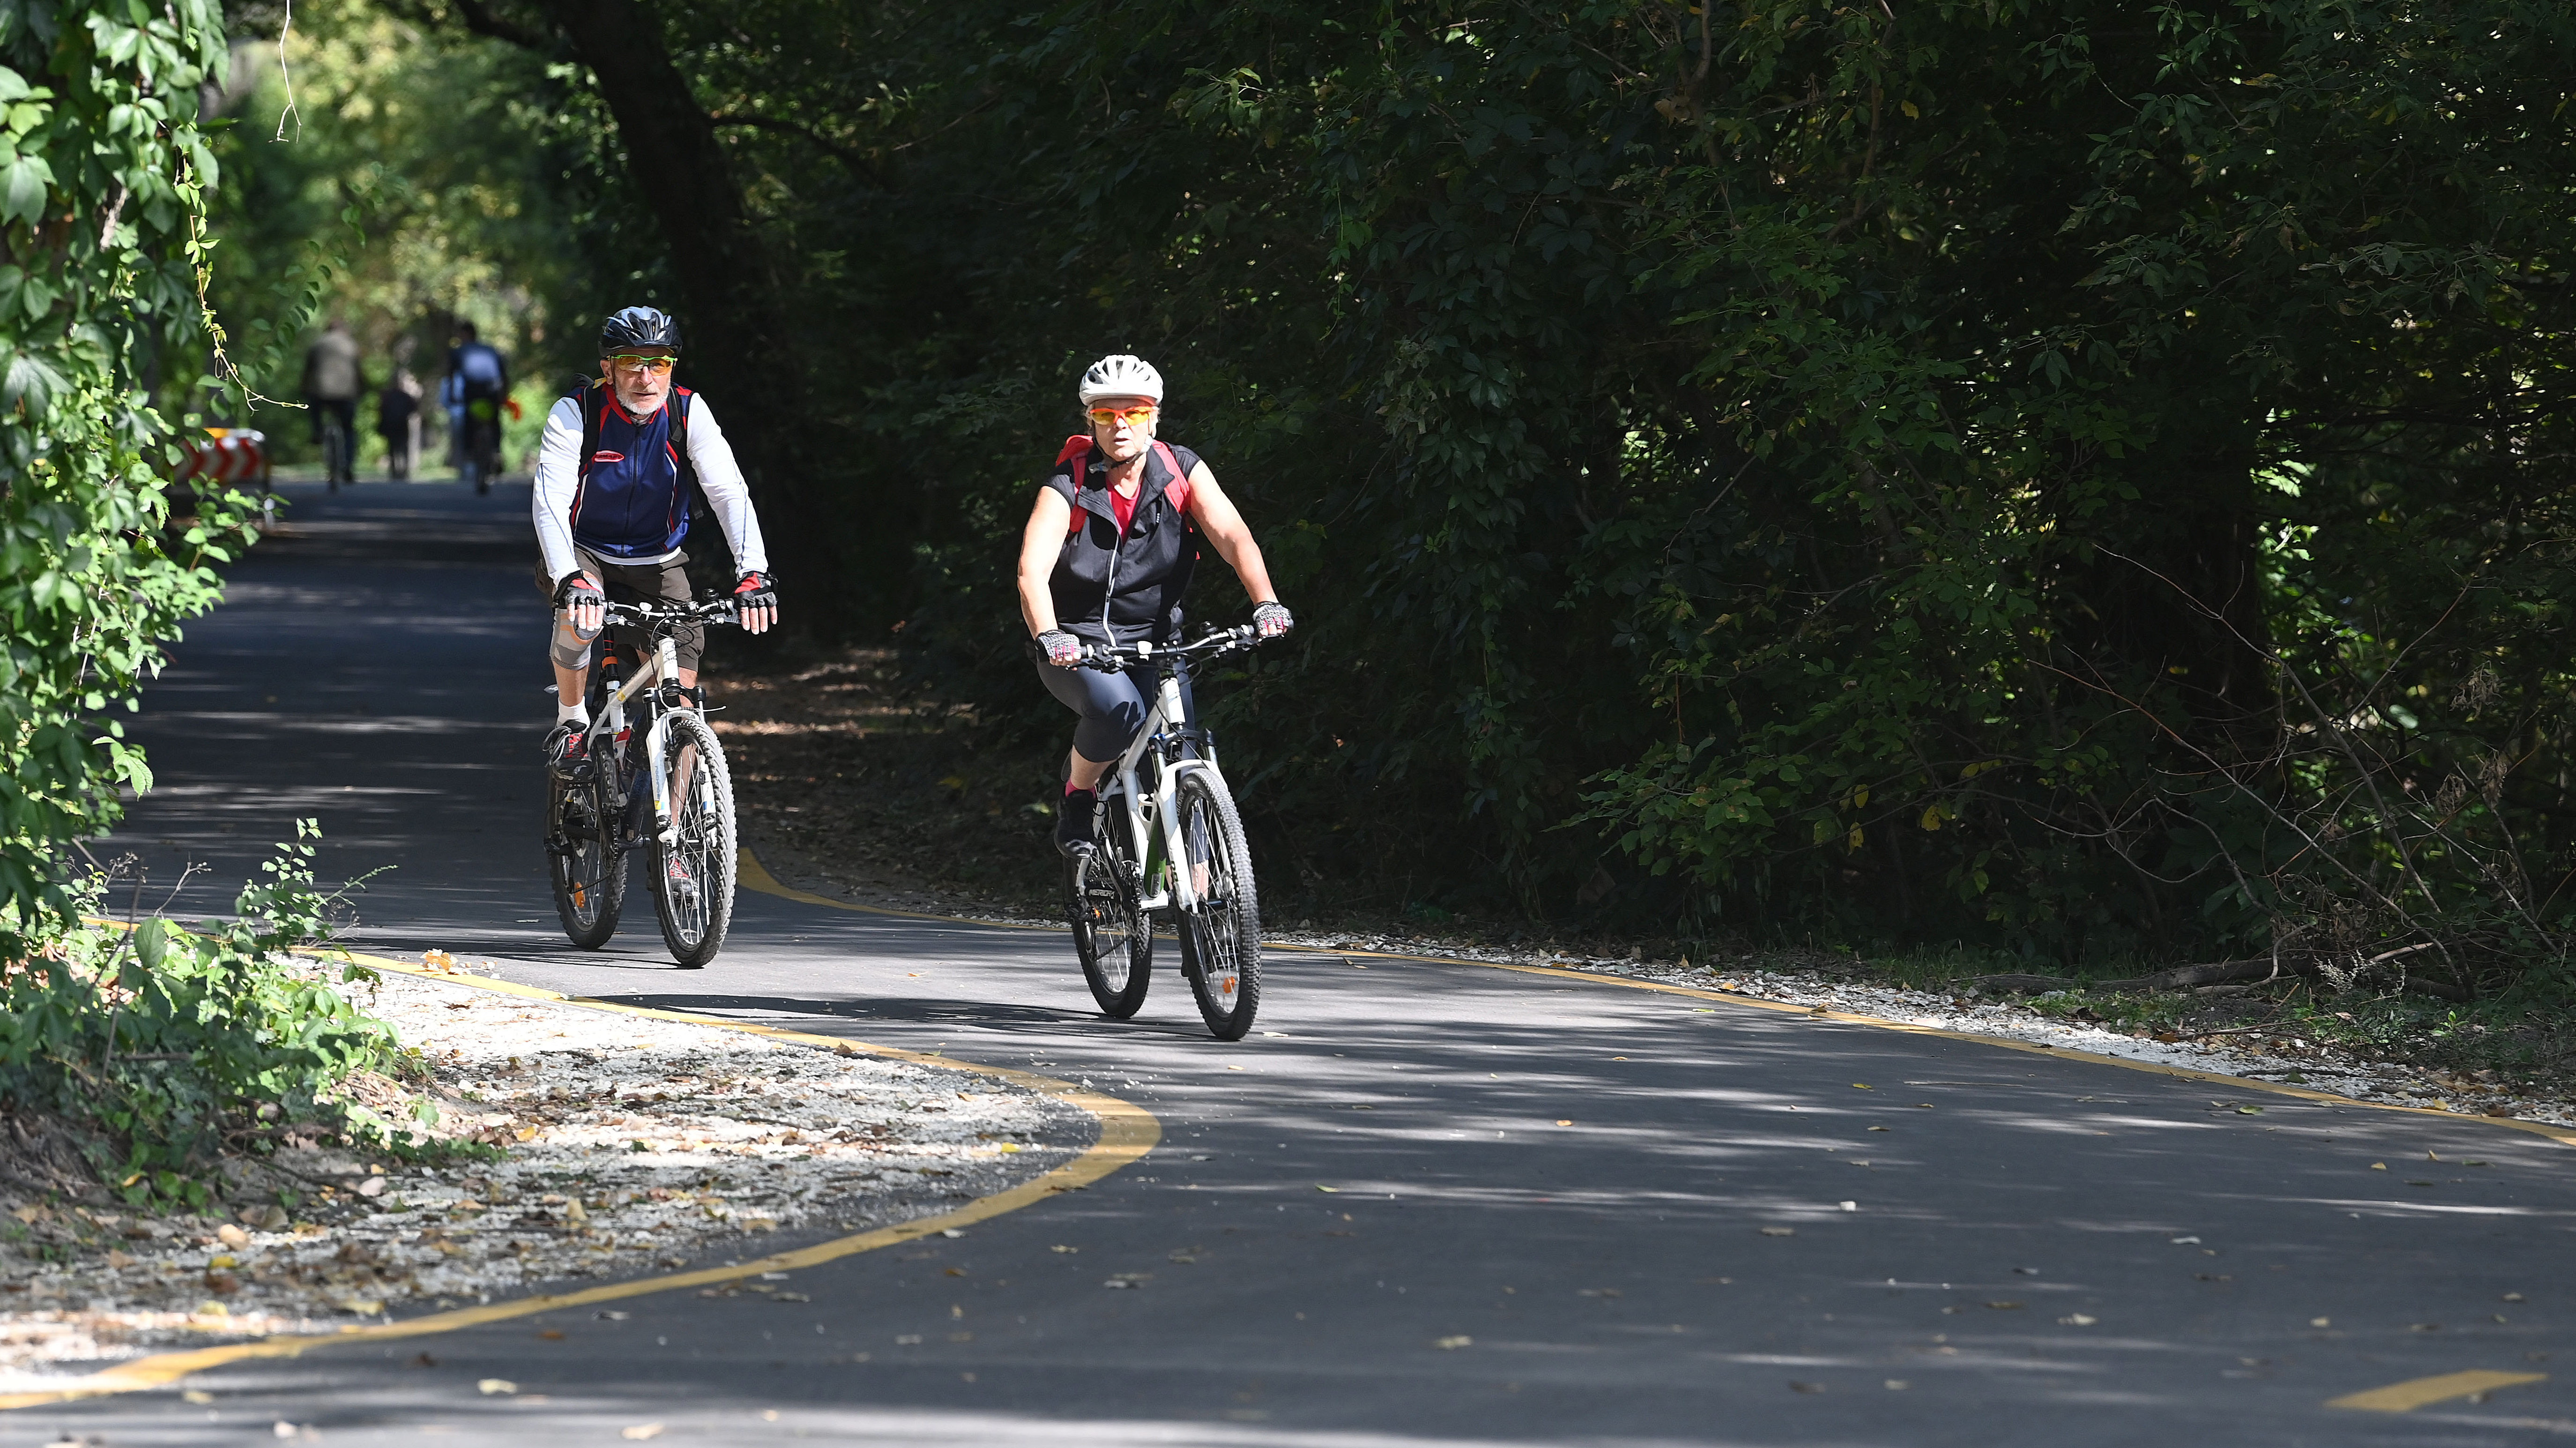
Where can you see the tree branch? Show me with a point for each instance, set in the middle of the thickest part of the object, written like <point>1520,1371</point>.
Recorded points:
<point>856,161</point>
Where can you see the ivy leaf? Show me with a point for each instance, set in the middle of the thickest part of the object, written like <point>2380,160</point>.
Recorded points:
<point>22,188</point>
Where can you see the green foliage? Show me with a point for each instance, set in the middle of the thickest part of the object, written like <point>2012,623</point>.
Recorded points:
<point>181,1042</point>
<point>101,172</point>
<point>2076,481</point>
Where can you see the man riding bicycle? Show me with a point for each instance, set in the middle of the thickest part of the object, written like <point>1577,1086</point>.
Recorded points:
<point>1106,558</point>
<point>477,387</point>
<point>620,466</point>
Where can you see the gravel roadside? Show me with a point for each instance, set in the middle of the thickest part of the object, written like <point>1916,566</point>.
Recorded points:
<point>604,1146</point>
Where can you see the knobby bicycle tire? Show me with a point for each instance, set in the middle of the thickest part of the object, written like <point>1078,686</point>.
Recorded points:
<point>694,928</point>
<point>1221,938</point>
<point>583,860</point>
<point>1111,935</point>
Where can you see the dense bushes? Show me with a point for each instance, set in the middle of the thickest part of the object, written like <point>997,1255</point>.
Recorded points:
<point>180,1044</point>
<point>169,1043</point>
<point>2070,479</point>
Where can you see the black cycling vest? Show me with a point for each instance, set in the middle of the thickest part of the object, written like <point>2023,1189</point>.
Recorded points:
<point>1110,589</point>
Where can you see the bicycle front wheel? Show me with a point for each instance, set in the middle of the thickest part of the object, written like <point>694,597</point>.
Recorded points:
<point>1221,935</point>
<point>693,870</point>
<point>583,860</point>
<point>1111,935</point>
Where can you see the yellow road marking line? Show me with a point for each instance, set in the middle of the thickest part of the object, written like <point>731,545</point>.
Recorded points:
<point>754,877</point>
<point>2407,1396</point>
<point>751,874</point>
<point>1127,1132</point>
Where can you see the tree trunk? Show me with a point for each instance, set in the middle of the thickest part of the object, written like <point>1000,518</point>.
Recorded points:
<point>735,344</point>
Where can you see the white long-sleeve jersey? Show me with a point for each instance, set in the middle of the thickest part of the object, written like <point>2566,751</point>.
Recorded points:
<point>558,489</point>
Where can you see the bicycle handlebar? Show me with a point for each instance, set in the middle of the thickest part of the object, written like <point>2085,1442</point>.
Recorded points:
<point>717,610</point>
<point>1115,658</point>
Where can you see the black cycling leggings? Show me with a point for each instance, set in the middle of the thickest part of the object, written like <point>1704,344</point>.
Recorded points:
<point>1112,706</point>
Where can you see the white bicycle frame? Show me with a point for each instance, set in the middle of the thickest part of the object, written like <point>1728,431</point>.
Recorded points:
<point>665,664</point>
<point>1167,714</point>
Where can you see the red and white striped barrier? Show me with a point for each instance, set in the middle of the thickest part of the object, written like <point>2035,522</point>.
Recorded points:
<point>227,455</point>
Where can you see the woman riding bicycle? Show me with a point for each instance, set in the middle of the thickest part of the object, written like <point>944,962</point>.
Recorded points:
<point>1106,558</point>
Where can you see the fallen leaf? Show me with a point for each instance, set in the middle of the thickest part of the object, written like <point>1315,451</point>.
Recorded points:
<point>1779,1231</point>
<point>2185,1241</point>
<point>1061,1248</point>
<point>2076,1319</point>
<point>1897,1385</point>
<point>612,1316</point>
<point>2379,1166</point>
<point>552,1334</point>
<point>495,1387</point>
<point>1878,1128</point>
<point>2003,1306</point>
<point>2513,1297</point>
<point>1565,1123</point>
<point>1857,1086</point>
<point>2320,1322</point>
<point>1448,1344</point>
<point>198,1395</point>
<point>640,1432</point>
<point>1322,1188</point>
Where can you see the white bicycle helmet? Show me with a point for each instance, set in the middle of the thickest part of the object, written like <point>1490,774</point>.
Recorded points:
<point>1120,375</point>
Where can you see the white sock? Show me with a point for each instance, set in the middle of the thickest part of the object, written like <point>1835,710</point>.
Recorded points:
<point>572,714</point>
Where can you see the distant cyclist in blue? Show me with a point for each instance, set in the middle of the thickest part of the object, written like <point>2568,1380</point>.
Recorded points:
<point>615,474</point>
<point>478,382</point>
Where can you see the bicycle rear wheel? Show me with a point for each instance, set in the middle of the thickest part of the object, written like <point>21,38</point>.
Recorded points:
<point>583,860</point>
<point>693,876</point>
<point>1113,938</point>
<point>1221,937</point>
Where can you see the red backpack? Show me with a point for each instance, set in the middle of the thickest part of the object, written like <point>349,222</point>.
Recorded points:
<point>1077,451</point>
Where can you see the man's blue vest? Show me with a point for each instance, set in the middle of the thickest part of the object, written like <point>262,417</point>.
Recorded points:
<point>631,501</point>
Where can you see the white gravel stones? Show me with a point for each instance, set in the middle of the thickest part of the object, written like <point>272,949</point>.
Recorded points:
<point>625,1146</point>
<point>2316,1066</point>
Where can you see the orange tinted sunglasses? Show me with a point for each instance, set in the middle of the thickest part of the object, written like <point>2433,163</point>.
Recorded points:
<point>1132,416</point>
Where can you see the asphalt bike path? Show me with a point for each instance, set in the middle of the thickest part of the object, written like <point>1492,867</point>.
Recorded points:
<point>1425,1203</point>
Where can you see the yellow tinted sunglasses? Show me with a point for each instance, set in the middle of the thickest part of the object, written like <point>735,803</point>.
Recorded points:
<point>638,362</point>
<point>1132,416</point>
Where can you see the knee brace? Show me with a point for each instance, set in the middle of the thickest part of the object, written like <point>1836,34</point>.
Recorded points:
<point>571,646</point>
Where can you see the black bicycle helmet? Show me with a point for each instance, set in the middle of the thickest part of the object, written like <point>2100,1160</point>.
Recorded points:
<point>638,327</point>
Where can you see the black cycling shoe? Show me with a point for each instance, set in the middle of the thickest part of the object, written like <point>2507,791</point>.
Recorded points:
<point>568,753</point>
<point>1073,823</point>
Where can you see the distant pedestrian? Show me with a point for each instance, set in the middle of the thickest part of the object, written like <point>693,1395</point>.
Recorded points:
<point>332,384</point>
<point>398,422</point>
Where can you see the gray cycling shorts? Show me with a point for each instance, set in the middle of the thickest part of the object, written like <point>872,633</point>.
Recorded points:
<point>1112,706</point>
<point>667,581</point>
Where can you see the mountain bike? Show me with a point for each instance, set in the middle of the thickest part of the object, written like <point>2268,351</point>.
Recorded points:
<point>661,788</point>
<point>481,452</point>
<point>1170,838</point>
<point>339,448</point>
